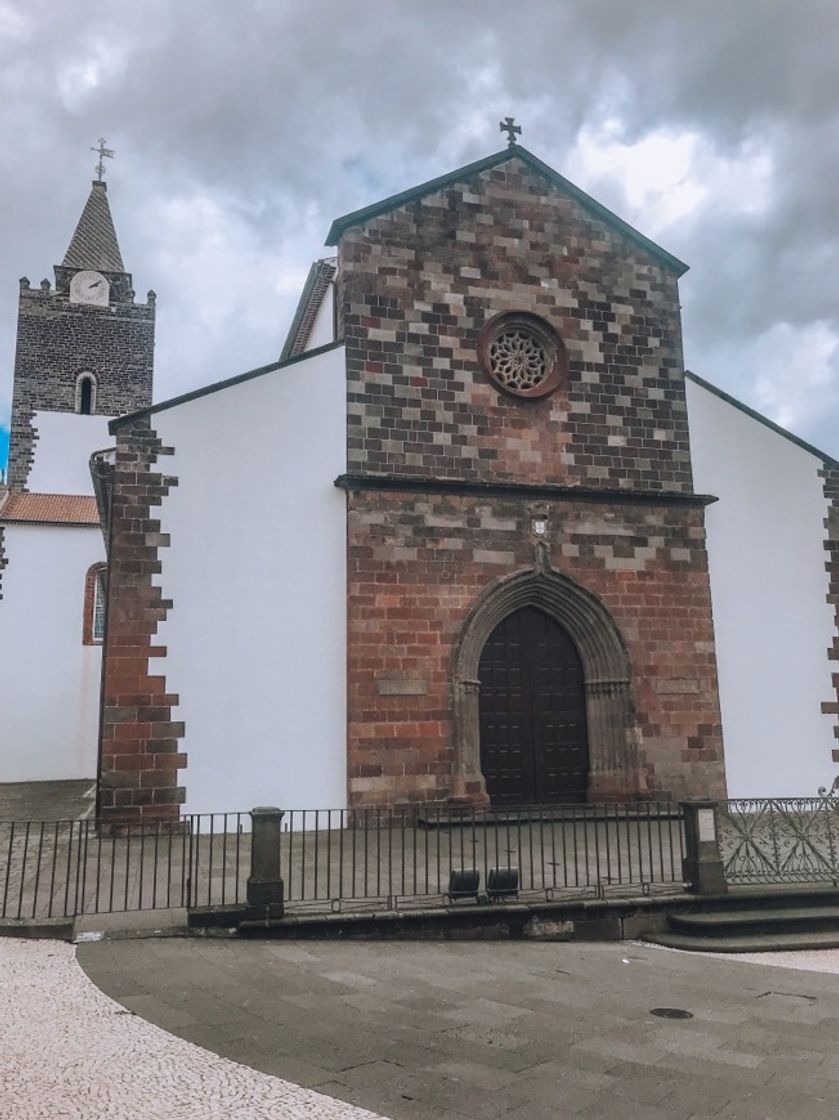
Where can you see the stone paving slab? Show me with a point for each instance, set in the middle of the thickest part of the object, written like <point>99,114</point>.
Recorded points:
<point>47,801</point>
<point>71,1052</point>
<point>503,1029</point>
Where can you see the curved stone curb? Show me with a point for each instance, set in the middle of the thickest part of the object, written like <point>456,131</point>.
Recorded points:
<point>72,1052</point>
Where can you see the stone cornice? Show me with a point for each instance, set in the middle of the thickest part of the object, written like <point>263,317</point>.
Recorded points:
<point>545,491</point>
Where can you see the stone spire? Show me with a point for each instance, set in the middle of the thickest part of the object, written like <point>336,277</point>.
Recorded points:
<point>94,243</point>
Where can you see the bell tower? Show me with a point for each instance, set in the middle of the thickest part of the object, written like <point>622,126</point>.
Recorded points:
<point>84,345</point>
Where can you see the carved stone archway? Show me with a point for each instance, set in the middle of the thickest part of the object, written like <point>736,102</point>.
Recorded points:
<point>612,733</point>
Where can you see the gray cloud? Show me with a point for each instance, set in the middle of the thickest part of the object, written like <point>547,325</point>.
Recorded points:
<point>241,130</point>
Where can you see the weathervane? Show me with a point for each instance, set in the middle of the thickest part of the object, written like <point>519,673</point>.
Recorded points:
<point>509,126</point>
<point>106,153</point>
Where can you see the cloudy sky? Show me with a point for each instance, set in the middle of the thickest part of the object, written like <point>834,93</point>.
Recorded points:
<point>241,129</point>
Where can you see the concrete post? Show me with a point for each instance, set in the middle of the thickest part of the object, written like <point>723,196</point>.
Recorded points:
<point>265,886</point>
<point>702,865</point>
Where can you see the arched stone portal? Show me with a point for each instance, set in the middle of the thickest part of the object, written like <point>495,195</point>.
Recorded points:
<point>612,735</point>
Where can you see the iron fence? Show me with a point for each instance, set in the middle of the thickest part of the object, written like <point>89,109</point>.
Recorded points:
<point>780,840</point>
<point>401,857</point>
<point>58,869</point>
<point>339,859</point>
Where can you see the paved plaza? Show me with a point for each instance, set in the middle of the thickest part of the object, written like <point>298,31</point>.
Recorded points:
<point>202,1028</point>
<point>47,801</point>
<point>415,1031</point>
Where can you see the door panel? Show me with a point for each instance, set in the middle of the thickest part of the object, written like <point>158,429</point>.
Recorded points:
<point>534,747</point>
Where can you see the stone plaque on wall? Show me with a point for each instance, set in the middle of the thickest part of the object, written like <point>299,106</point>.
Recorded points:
<point>388,687</point>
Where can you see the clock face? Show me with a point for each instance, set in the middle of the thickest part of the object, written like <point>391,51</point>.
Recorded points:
<point>90,287</point>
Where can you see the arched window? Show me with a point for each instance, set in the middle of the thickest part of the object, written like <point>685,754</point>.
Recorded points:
<point>86,393</point>
<point>95,599</point>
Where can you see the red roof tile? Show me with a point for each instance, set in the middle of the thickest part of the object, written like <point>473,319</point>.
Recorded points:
<point>50,509</point>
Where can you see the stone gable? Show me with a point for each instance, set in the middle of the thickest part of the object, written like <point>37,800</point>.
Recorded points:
<point>417,284</point>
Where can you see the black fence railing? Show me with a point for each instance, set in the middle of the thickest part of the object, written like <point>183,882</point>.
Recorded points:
<point>780,840</point>
<point>389,858</point>
<point>399,857</point>
<point>57,869</point>
<point>341,859</point>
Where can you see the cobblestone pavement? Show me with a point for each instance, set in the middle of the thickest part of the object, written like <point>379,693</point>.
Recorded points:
<point>443,1031</point>
<point>68,1051</point>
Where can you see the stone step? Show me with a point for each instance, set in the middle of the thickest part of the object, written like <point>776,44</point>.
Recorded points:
<point>548,814</point>
<point>716,923</point>
<point>754,943</point>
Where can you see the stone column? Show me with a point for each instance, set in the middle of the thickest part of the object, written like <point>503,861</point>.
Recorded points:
<point>265,886</point>
<point>468,785</point>
<point>613,760</point>
<point>702,866</point>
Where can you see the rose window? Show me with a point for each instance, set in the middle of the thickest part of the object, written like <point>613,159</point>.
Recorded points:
<point>522,354</point>
<point>518,361</point>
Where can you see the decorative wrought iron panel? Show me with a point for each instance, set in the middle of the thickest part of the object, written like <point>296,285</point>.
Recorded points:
<point>780,840</point>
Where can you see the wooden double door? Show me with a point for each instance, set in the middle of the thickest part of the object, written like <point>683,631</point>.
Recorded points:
<point>534,742</point>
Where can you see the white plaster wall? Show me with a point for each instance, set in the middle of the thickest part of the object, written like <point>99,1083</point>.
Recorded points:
<point>65,442</point>
<point>323,328</point>
<point>256,570</point>
<point>49,681</point>
<point>768,584</point>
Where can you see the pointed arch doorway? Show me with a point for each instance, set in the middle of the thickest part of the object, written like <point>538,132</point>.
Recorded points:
<point>532,713</point>
<point>612,735</point>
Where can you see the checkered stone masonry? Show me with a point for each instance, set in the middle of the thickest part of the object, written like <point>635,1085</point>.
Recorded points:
<point>139,755</point>
<point>414,288</point>
<point>56,340</point>
<point>417,284</point>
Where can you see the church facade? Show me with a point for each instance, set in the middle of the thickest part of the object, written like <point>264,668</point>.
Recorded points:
<point>459,553</point>
<point>479,538</point>
<point>84,354</point>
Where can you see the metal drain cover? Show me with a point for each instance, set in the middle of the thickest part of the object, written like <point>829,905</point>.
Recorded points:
<point>671,1013</point>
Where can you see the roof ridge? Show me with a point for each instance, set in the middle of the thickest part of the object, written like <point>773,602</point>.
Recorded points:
<point>215,386</point>
<point>317,284</point>
<point>357,217</point>
<point>828,460</point>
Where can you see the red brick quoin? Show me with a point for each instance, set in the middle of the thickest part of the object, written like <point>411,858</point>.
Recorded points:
<point>139,741</point>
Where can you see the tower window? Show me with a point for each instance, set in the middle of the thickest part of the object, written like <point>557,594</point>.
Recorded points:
<point>95,597</point>
<point>86,394</point>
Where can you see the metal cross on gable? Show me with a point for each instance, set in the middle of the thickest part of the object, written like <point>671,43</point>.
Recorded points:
<point>509,126</point>
<point>104,153</point>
